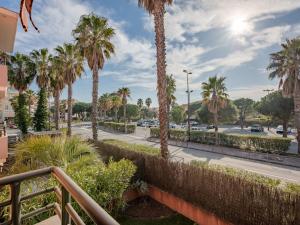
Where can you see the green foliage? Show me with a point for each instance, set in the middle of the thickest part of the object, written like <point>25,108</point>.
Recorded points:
<point>133,147</point>
<point>253,143</point>
<point>40,120</point>
<point>132,111</point>
<point>228,114</point>
<point>22,115</point>
<point>119,127</point>
<point>81,108</point>
<point>245,106</point>
<point>178,114</point>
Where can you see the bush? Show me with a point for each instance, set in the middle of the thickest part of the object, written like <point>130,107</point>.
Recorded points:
<point>119,127</point>
<point>40,120</point>
<point>275,145</point>
<point>22,117</point>
<point>230,194</point>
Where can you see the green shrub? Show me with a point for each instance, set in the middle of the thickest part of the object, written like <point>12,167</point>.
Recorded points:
<point>119,127</point>
<point>275,145</point>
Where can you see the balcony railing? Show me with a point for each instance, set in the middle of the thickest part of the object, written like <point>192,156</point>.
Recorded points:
<point>69,191</point>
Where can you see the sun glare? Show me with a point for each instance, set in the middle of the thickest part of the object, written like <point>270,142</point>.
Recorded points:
<point>240,25</point>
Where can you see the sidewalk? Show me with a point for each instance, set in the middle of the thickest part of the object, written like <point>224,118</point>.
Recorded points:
<point>293,161</point>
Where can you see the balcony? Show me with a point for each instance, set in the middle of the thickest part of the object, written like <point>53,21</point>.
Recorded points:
<point>68,193</point>
<point>3,81</point>
<point>3,146</point>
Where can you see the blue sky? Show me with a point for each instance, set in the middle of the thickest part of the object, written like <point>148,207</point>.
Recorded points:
<point>232,38</point>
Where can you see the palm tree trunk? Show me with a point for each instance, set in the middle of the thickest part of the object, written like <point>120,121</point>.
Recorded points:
<point>285,126</point>
<point>297,110</point>
<point>95,98</point>
<point>216,127</point>
<point>168,112</point>
<point>56,109</point>
<point>69,132</point>
<point>159,10</point>
<point>125,122</point>
<point>116,114</point>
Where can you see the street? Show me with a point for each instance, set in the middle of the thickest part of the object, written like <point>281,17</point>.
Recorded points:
<point>286,173</point>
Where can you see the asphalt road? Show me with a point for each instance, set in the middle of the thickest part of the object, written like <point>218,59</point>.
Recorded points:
<point>289,174</point>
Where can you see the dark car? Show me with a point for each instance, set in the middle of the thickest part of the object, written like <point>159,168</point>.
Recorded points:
<point>211,126</point>
<point>257,128</point>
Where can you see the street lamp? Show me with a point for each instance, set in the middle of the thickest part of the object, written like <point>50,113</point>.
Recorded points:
<point>188,91</point>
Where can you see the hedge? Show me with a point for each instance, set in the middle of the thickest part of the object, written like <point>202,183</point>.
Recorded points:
<point>237,199</point>
<point>275,145</point>
<point>119,127</point>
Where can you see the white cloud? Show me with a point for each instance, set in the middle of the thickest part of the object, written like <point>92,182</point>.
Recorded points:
<point>254,92</point>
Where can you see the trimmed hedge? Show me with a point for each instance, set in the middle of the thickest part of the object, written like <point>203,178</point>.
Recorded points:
<point>274,145</point>
<point>119,127</point>
<point>230,195</point>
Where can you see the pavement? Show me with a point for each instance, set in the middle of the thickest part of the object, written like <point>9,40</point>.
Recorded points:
<point>285,173</point>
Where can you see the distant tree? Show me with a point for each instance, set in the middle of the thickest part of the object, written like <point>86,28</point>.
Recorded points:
<point>116,104</point>
<point>277,106</point>
<point>31,99</point>
<point>148,102</point>
<point>124,93</point>
<point>105,103</point>
<point>214,96</point>
<point>228,115</point>
<point>245,106</point>
<point>140,104</point>
<point>171,89</point>
<point>40,120</point>
<point>80,108</point>
<point>132,111</point>
<point>177,114</point>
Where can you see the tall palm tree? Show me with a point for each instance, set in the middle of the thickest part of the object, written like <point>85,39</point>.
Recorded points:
<point>93,35</point>
<point>116,104</point>
<point>124,93</point>
<point>140,104</point>
<point>57,83</point>
<point>21,72</point>
<point>31,99</point>
<point>105,103</point>
<point>214,96</point>
<point>171,88</point>
<point>72,62</point>
<point>148,102</point>
<point>157,9</point>
<point>285,66</point>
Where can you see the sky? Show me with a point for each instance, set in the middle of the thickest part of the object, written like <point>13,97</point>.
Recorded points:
<point>231,38</point>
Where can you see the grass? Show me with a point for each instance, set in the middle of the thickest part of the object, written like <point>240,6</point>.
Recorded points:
<point>174,220</point>
<point>133,147</point>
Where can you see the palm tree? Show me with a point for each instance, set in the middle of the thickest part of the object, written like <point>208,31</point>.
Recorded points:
<point>140,104</point>
<point>124,93</point>
<point>214,96</point>
<point>93,36</point>
<point>285,66</point>
<point>21,72</point>
<point>57,84</point>
<point>31,99</point>
<point>116,104</point>
<point>171,88</point>
<point>148,102</point>
<point>72,62</point>
<point>157,9</point>
<point>105,103</point>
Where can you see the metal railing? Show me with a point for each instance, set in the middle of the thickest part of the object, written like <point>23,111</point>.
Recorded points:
<point>2,130</point>
<point>69,191</point>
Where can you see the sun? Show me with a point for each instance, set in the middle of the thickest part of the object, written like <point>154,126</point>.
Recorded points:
<point>240,25</point>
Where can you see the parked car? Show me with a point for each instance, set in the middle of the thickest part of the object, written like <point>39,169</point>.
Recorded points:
<point>211,126</point>
<point>279,130</point>
<point>257,128</point>
<point>139,123</point>
<point>195,128</point>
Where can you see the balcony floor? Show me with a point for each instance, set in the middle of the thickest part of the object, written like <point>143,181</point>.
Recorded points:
<point>54,220</point>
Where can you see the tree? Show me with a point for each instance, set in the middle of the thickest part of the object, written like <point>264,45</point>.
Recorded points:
<point>57,84</point>
<point>21,72</point>
<point>31,99</point>
<point>132,111</point>
<point>72,61</point>
<point>215,96</point>
<point>124,93</point>
<point>178,114</point>
<point>171,88</point>
<point>40,120</point>
<point>157,9</point>
<point>80,108</point>
<point>42,60</point>
<point>278,107</point>
<point>245,106</point>
<point>140,104</point>
<point>148,102</point>
<point>228,114</point>
<point>93,35</point>
<point>116,104</point>
<point>105,103</point>
<point>285,66</point>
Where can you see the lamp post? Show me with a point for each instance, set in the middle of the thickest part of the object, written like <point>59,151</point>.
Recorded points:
<point>188,91</point>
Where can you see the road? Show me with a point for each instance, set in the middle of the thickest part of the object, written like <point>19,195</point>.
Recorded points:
<point>289,174</point>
